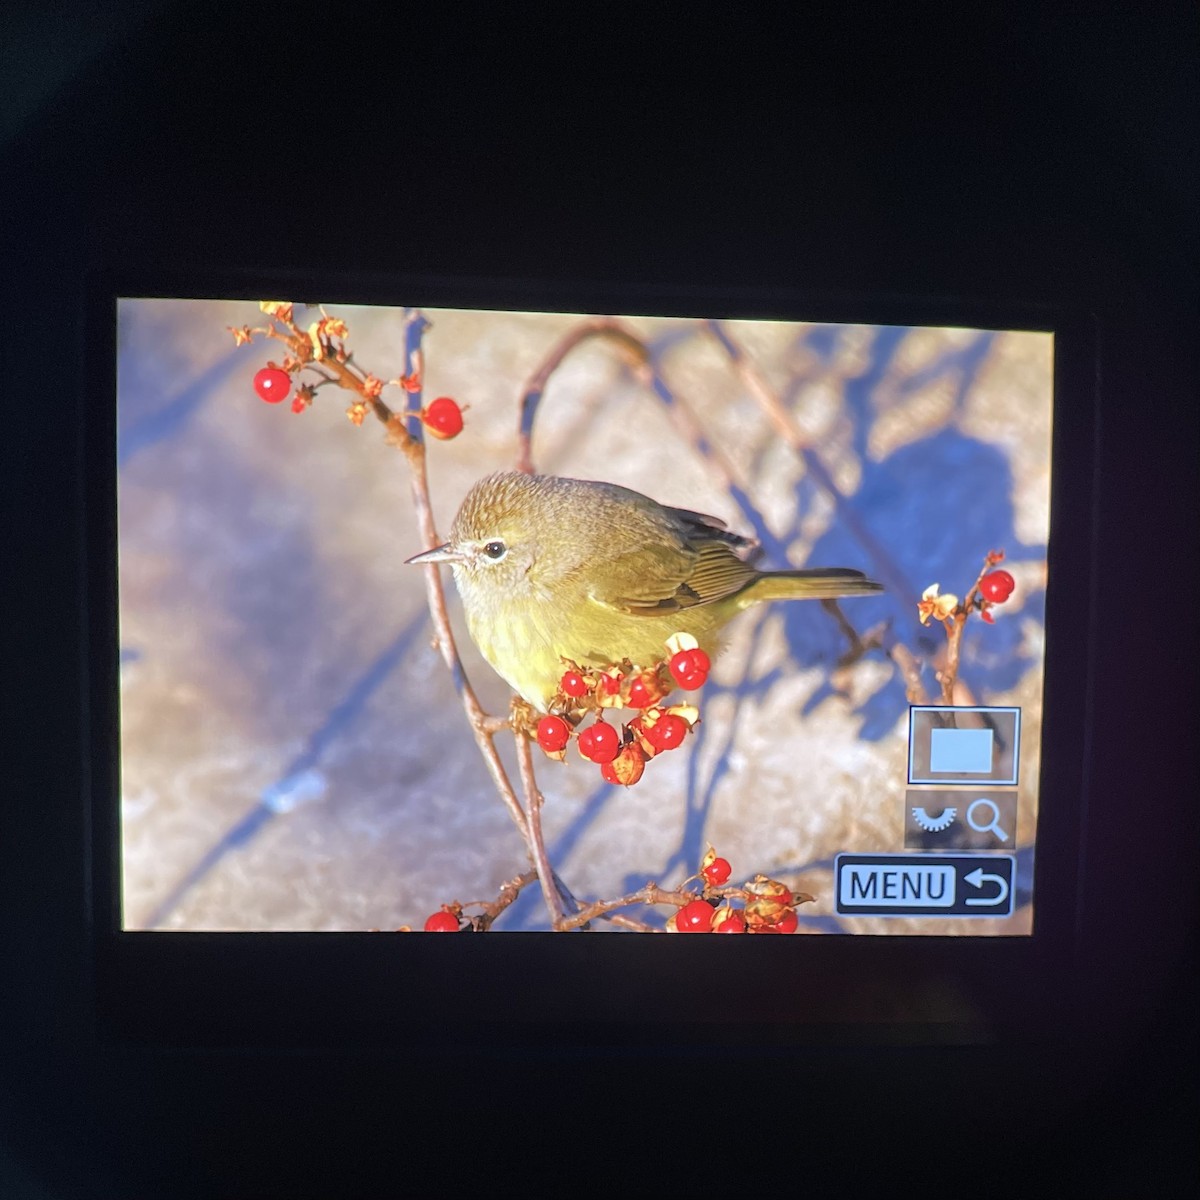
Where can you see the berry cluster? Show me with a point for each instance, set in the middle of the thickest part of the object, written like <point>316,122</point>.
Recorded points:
<point>323,344</point>
<point>622,753</point>
<point>761,905</point>
<point>768,905</point>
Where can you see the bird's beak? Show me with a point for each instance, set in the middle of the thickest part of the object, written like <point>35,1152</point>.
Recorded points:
<point>439,554</point>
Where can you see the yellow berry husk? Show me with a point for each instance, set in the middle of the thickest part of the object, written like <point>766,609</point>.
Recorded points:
<point>680,641</point>
<point>627,768</point>
<point>768,900</point>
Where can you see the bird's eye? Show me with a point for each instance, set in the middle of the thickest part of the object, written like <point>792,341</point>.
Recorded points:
<point>495,550</point>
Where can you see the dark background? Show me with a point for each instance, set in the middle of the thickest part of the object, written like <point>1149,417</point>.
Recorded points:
<point>1024,156</point>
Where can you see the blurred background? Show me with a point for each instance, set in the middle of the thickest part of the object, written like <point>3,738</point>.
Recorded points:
<point>294,756</point>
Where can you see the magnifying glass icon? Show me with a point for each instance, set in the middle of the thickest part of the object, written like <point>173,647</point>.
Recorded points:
<point>992,823</point>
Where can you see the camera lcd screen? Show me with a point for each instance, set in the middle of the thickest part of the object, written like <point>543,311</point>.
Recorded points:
<point>297,755</point>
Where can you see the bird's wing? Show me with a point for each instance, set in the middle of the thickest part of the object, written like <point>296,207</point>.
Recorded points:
<point>658,578</point>
<point>700,526</point>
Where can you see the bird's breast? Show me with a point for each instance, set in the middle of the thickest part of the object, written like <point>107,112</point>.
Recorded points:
<point>521,635</point>
<point>525,633</point>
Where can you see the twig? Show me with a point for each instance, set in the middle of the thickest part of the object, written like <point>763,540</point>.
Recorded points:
<point>650,894</point>
<point>537,844</point>
<point>909,670</point>
<point>597,327</point>
<point>300,344</point>
<point>509,892</point>
<point>954,624</point>
<point>616,918</point>
<point>858,647</point>
<point>949,673</point>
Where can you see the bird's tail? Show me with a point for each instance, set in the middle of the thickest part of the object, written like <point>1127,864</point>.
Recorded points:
<point>813,583</point>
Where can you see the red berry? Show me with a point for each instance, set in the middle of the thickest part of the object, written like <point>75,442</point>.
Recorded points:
<point>600,742</point>
<point>442,922</point>
<point>573,684</point>
<point>627,768</point>
<point>997,586</point>
<point>690,668</point>
<point>734,923</point>
<point>695,917</point>
<point>645,691</point>
<point>612,683</point>
<point>272,384</point>
<point>553,733</point>
<point>717,872</point>
<point>667,732</point>
<point>443,418</point>
<point>788,922</point>
<point>681,664</point>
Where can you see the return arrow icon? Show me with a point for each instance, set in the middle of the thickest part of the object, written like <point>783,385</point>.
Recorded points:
<point>977,878</point>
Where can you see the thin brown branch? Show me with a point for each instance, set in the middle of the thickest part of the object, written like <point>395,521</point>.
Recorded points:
<point>509,891</point>
<point>949,673</point>
<point>650,894</point>
<point>300,344</point>
<point>598,327</point>
<point>616,918</point>
<point>956,622</point>
<point>910,672</point>
<point>857,647</point>
<point>653,894</point>
<point>537,844</point>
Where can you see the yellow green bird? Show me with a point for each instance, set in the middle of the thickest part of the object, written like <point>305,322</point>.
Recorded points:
<point>551,568</point>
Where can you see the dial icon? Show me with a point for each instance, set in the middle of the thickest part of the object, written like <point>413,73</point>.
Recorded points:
<point>934,824</point>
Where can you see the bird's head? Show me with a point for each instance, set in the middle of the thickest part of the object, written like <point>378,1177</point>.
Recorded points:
<point>498,538</point>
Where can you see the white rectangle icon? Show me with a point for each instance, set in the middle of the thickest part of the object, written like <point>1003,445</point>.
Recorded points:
<point>907,885</point>
<point>960,751</point>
